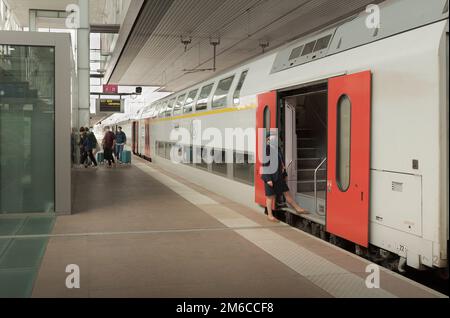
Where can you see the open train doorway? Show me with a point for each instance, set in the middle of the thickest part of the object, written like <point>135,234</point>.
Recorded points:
<point>303,123</point>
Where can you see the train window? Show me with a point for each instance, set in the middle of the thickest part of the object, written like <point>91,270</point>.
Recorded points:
<point>221,95</point>
<point>244,168</point>
<point>219,164</point>
<point>187,159</point>
<point>190,101</point>
<point>266,118</point>
<point>156,110</point>
<point>169,108</point>
<point>201,155</point>
<point>160,149</point>
<point>178,109</point>
<point>202,102</point>
<point>343,143</point>
<point>309,48</point>
<point>237,92</point>
<point>322,43</point>
<point>296,52</point>
<point>162,110</point>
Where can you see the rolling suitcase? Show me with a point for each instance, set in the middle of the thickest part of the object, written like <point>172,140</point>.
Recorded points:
<point>126,157</point>
<point>100,157</point>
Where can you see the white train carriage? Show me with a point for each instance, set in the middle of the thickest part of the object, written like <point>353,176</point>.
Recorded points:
<point>363,121</point>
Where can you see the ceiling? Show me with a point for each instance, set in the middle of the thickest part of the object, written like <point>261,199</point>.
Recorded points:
<point>155,56</point>
<point>21,10</point>
<point>149,50</point>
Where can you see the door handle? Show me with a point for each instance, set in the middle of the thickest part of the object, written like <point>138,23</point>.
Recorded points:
<point>329,187</point>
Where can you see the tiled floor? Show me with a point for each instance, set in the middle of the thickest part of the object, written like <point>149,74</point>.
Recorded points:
<point>22,245</point>
<point>142,232</point>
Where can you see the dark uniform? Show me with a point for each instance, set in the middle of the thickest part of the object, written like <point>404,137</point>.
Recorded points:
<point>278,177</point>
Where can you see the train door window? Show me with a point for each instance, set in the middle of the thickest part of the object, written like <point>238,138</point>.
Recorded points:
<point>266,119</point>
<point>178,109</point>
<point>220,98</point>
<point>237,92</point>
<point>202,102</point>
<point>343,143</point>
<point>188,105</point>
<point>169,108</point>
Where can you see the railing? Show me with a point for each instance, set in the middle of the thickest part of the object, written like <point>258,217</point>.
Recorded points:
<point>315,185</point>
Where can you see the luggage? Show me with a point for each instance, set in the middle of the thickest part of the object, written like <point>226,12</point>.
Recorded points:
<point>100,157</point>
<point>126,156</point>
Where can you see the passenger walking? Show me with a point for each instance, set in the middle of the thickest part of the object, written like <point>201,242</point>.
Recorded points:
<point>275,183</point>
<point>108,143</point>
<point>81,144</point>
<point>121,140</point>
<point>88,146</point>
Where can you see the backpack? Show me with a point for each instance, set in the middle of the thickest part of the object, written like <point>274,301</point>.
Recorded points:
<point>93,140</point>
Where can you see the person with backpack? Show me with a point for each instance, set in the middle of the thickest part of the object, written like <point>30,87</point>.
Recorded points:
<point>121,140</point>
<point>88,146</point>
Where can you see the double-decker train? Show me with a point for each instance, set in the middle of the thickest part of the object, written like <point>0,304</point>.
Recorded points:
<point>362,115</point>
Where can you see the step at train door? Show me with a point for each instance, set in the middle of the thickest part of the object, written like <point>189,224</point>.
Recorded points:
<point>266,118</point>
<point>291,148</point>
<point>349,104</point>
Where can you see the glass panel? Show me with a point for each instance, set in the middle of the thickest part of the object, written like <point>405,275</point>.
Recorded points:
<point>296,53</point>
<point>27,129</point>
<point>168,150</point>
<point>160,151</point>
<point>202,102</point>
<point>243,168</point>
<point>343,143</point>
<point>219,165</point>
<point>309,48</point>
<point>266,119</point>
<point>179,105</point>
<point>162,110</point>
<point>322,43</point>
<point>190,101</point>
<point>220,97</point>
<point>237,92</point>
<point>169,108</point>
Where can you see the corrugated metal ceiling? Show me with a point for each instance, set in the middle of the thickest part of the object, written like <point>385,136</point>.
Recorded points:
<point>240,24</point>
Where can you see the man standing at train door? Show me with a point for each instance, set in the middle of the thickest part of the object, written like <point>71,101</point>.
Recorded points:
<point>275,183</point>
<point>121,140</point>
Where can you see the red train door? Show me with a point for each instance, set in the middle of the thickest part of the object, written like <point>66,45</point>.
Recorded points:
<point>147,138</point>
<point>266,118</point>
<point>349,104</point>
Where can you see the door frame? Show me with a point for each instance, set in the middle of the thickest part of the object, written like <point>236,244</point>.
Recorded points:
<point>266,102</point>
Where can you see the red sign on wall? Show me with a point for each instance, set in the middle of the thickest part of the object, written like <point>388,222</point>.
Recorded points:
<point>110,89</point>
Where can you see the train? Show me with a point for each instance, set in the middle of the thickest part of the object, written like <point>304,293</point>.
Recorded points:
<point>362,118</point>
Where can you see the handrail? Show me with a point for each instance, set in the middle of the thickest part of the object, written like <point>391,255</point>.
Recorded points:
<point>315,184</point>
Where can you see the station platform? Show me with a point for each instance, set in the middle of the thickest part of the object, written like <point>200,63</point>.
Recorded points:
<point>140,231</point>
